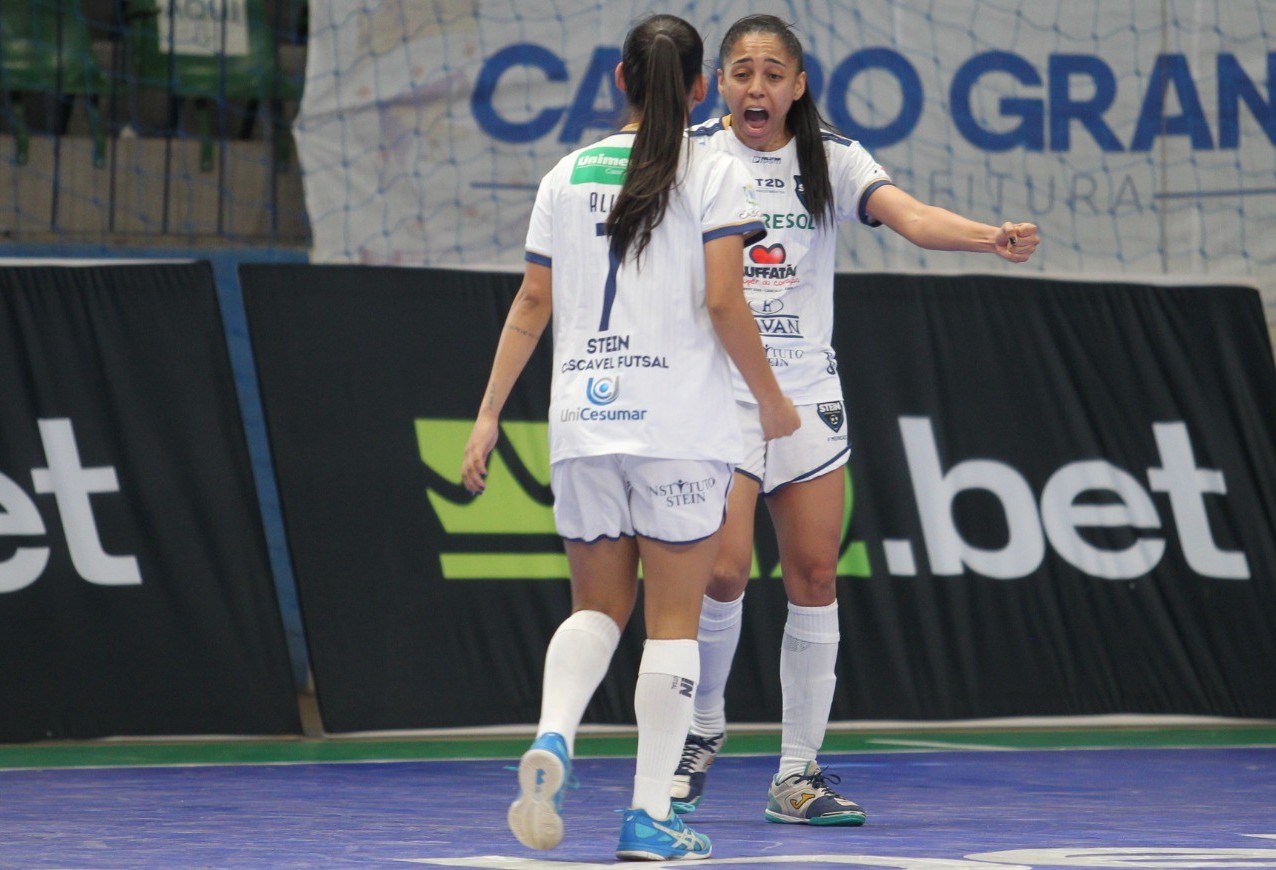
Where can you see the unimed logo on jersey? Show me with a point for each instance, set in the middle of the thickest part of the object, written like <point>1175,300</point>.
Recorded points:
<point>508,532</point>
<point>601,165</point>
<point>71,484</point>
<point>1080,495</point>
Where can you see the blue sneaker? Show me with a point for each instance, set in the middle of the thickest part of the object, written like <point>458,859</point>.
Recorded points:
<point>543,772</point>
<point>643,838</point>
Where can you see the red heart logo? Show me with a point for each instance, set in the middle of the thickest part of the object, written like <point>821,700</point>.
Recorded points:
<point>773,254</point>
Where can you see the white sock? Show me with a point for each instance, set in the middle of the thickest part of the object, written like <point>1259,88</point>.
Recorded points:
<point>575,663</point>
<point>807,680</point>
<point>667,680</point>
<point>719,636</point>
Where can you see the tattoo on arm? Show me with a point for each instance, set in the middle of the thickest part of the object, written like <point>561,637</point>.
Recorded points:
<point>521,331</point>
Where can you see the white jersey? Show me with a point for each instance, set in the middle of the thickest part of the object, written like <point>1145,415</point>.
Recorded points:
<point>638,368</point>
<point>788,276</point>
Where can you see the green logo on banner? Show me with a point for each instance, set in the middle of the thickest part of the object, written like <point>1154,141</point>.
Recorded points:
<point>508,532</point>
<point>601,166</point>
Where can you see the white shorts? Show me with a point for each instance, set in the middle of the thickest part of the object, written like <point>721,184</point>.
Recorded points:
<point>677,501</point>
<point>819,446</point>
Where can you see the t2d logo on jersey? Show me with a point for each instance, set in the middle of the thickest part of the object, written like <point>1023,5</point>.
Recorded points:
<point>71,485</point>
<point>508,533</point>
<point>769,185</point>
<point>1062,511</point>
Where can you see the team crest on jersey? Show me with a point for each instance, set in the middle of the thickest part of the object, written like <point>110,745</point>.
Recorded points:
<point>799,187</point>
<point>831,414</point>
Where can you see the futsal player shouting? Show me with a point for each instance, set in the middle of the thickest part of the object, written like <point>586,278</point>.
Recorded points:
<point>809,180</point>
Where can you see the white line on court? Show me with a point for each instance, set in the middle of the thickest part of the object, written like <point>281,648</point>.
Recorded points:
<point>939,744</point>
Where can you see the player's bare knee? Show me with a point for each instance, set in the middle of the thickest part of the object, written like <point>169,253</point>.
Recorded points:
<point>728,581</point>
<point>812,585</point>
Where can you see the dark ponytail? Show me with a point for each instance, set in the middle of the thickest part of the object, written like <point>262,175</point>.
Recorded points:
<point>804,119</point>
<point>662,57</point>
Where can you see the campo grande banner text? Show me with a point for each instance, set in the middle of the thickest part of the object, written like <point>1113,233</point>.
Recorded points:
<point>1141,137</point>
<point>1062,500</point>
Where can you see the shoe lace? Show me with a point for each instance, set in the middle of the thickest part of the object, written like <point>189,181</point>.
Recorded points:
<point>694,747</point>
<point>820,779</point>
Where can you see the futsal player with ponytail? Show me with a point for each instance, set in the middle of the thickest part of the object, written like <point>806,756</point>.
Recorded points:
<point>809,180</point>
<point>644,285</point>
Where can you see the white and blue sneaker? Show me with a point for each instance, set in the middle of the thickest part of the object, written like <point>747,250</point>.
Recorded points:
<point>698,754</point>
<point>543,772</point>
<point>806,799</point>
<point>643,838</point>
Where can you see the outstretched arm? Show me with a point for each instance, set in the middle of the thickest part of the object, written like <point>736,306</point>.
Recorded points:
<point>938,229</point>
<point>527,319</point>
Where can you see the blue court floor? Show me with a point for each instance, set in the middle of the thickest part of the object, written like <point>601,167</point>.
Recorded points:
<point>931,810</point>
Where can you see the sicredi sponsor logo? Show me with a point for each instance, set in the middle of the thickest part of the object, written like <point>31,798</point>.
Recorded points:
<point>1059,514</point>
<point>71,485</point>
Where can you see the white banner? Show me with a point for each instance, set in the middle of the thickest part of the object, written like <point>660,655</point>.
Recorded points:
<point>1140,136</point>
<point>203,27</point>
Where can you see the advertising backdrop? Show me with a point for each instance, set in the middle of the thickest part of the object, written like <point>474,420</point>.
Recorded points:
<point>1067,494</point>
<point>422,608</point>
<point>1061,502</point>
<point>135,592</point>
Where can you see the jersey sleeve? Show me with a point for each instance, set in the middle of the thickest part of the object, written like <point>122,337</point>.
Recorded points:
<point>855,176</point>
<point>539,247</point>
<point>730,203</point>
